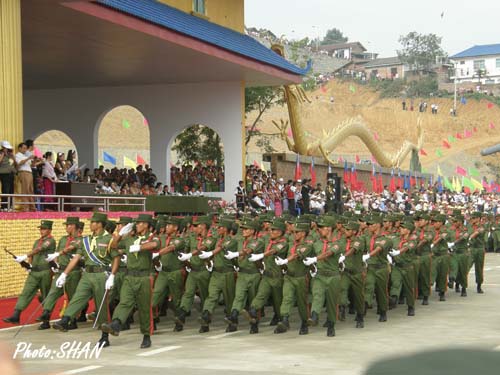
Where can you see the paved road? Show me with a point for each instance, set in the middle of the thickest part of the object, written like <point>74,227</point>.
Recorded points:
<point>467,330</point>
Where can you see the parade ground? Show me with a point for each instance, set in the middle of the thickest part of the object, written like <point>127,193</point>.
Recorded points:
<point>459,336</point>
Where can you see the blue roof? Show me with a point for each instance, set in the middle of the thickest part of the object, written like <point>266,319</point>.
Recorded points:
<point>199,28</point>
<point>484,50</point>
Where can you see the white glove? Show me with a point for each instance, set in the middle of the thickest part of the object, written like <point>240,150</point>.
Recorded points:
<point>342,258</point>
<point>159,267</point>
<point>255,257</point>
<point>432,245</point>
<point>205,254</point>
<point>280,262</point>
<point>366,257</point>
<point>124,258</point>
<point>110,282</point>
<point>450,244</point>
<point>21,258</point>
<point>134,248</point>
<point>231,255</point>
<point>61,280</point>
<point>394,252</point>
<point>52,256</point>
<point>126,229</point>
<point>184,257</point>
<point>210,266</point>
<point>155,255</point>
<point>389,259</point>
<point>309,261</point>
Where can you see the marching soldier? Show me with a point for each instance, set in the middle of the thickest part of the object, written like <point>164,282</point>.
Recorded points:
<point>66,248</point>
<point>222,279</point>
<point>39,278</point>
<point>295,285</point>
<point>271,284</point>
<point>462,253</point>
<point>199,276</point>
<point>353,277</point>
<point>425,236</point>
<point>248,279</point>
<point>95,282</point>
<point>403,272</point>
<point>377,278</point>
<point>440,258</point>
<point>327,281</point>
<point>170,280</point>
<point>476,244</point>
<point>138,283</point>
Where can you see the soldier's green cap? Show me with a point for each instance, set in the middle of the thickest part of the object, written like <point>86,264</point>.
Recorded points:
<point>279,224</point>
<point>110,226</point>
<point>459,218</point>
<point>302,227</point>
<point>187,220</point>
<point>203,220</point>
<point>311,217</point>
<point>424,216</point>
<point>144,218</point>
<point>476,214</point>
<point>408,225</point>
<point>235,227</point>
<point>434,213</point>
<point>439,218</point>
<point>374,220</point>
<point>125,220</point>
<point>287,218</point>
<point>266,218</point>
<point>342,220</point>
<point>349,214</point>
<point>388,218</point>
<point>71,220</point>
<point>46,224</point>
<point>398,216</point>
<point>352,225</point>
<point>99,217</point>
<point>80,225</point>
<point>456,212</point>
<point>173,220</point>
<point>228,224</point>
<point>250,224</point>
<point>326,221</point>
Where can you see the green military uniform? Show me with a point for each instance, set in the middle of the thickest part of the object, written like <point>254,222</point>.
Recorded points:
<point>477,245</point>
<point>40,276</point>
<point>353,277</point>
<point>441,258</point>
<point>403,272</point>
<point>424,258</point>
<point>114,293</point>
<point>97,256</point>
<point>462,255</point>
<point>170,280</point>
<point>138,283</point>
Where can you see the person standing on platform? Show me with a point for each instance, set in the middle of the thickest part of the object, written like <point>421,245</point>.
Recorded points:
<point>25,175</point>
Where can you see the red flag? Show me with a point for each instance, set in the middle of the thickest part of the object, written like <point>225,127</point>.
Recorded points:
<point>340,159</point>
<point>459,136</point>
<point>323,88</point>
<point>313,172</point>
<point>490,105</point>
<point>358,160</point>
<point>392,184</point>
<point>466,190</point>
<point>354,178</point>
<point>474,129</point>
<point>467,133</point>
<point>412,181</point>
<point>461,171</point>
<point>380,183</point>
<point>422,152</point>
<point>373,179</point>
<point>140,160</point>
<point>298,169</point>
<point>347,176</point>
<point>446,144</point>
<point>400,179</point>
<point>256,164</point>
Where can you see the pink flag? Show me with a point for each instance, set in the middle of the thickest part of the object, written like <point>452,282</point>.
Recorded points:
<point>461,171</point>
<point>289,133</point>
<point>37,152</point>
<point>467,133</point>
<point>358,160</point>
<point>340,159</point>
<point>492,125</point>
<point>140,160</point>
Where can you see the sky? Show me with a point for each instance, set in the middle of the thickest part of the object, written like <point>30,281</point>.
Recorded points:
<point>378,24</point>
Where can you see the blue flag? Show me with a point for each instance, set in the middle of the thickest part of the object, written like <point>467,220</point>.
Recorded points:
<point>107,158</point>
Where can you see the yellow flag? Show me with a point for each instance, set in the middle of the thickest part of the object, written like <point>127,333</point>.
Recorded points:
<point>457,185</point>
<point>129,163</point>
<point>477,184</point>
<point>439,171</point>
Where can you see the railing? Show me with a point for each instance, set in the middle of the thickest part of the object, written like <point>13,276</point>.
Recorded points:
<point>63,202</point>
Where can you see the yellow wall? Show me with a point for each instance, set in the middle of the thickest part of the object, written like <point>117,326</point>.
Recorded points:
<point>228,13</point>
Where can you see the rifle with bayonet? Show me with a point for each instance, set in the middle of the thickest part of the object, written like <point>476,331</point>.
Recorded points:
<point>23,264</point>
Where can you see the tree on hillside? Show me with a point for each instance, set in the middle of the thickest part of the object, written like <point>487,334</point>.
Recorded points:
<point>480,74</point>
<point>199,143</point>
<point>334,36</point>
<point>420,50</point>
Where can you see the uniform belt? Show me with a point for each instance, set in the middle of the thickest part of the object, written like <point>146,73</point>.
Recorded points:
<point>171,269</point>
<point>138,273</point>
<point>223,269</point>
<point>247,271</point>
<point>404,265</point>
<point>197,269</point>
<point>328,273</point>
<point>272,275</point>
<point>296,274</point>
<point>352,272</point>
<point>96,269</point>
<point>40,268</point>
<point>377,266</point>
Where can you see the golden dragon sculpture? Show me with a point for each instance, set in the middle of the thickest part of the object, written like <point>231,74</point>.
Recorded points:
<point>295,97</point>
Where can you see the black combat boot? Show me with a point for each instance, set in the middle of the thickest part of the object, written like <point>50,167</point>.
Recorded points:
<point>180,318</point>
<point>411,311</point>
<point>62,325</point>
<point>441,296</point>
<point>383,316</point>
<point>425,302</point>
<point>457,288</point>
<point>304,329</point>
<point>464,292</point>
<point>313,320</point>
<point>44,325</point>
<point>275,320</point>
<point>479,290</point>
<point>82,318</point>
<point>360,322</point>
<point>254,328</point>
<point>146,342</point>
<point>178,327</point>
<point>330,330</point>
<point>72,325</point>
<point>352,310</point>
<point>113,327</point>
<point>14,318</point>
<point>401,300</point>
<point>342,313</point>
<point>233,318</point>
<point>204,321</point>
<point>104,340</point>
<point>283,325</point>
<point>451,280</point>
<point>45,317</point>
<point>393,302</point>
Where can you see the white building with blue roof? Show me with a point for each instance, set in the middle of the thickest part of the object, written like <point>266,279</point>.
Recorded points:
<point>478,64</point>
